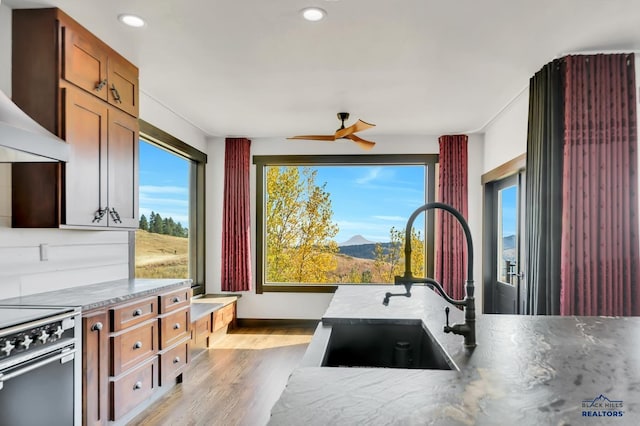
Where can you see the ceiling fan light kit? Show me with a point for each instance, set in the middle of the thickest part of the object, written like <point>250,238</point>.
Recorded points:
<point>344,133</point>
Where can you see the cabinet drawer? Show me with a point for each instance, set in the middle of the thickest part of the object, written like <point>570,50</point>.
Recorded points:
<point>133,346</point>
<point>175,300</point>
<point>133,313</point>
<point>174,327</point>
<point>223,316</point>
<point>134,387</point>
<point>172,362</point>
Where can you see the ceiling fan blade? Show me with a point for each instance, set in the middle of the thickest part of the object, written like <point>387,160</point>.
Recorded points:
<point>357,127</point>
<point>315,137</point>
<point>364,144</point>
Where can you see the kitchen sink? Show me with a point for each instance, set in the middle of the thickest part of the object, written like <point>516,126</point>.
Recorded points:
<point>384,345</point>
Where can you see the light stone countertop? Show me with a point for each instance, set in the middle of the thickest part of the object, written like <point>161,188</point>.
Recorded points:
<point>526,370</point>
<point>93,296</point>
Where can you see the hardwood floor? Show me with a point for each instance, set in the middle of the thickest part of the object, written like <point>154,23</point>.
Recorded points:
<point>234,383</point>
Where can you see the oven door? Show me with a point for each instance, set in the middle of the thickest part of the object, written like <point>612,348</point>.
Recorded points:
<point>39,391</point>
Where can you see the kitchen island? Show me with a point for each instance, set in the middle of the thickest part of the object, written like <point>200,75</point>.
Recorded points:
<point>527,370</point>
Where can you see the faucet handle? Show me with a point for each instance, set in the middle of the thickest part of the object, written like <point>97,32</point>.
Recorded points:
<point>447,329</point>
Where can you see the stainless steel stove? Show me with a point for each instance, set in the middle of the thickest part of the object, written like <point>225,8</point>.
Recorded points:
<point>40,365</point>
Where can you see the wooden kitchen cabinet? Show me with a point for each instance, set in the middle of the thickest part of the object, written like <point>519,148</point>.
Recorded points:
<point>95,356</point>
<point>79,88</point>
<point>224,317</point>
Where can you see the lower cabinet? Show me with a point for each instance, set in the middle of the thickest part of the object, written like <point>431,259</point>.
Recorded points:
<point>95,365</point>
<point>130,350</point>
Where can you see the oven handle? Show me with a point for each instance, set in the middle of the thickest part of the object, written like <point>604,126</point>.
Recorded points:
<point>65,356</point>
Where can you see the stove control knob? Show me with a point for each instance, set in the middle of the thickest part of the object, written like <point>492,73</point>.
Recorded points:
<point>58,332</point>
<point>8,347</point>
<point>25,342</point>
<point>43,336</point>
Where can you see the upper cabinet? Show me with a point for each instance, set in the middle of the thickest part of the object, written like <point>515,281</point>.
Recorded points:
<point>91,65</point>
<point>79,88</point>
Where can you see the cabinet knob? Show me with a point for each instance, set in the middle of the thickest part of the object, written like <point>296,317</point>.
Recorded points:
<point>96,327</point>
<point>176,299</point>
<point>100,85</point>
<point>137,386</point>
<point>176,326</point>
<point>115,215</point>
<point>137,312</point>
<point>137,345</point>
<point>98,215</point>
<point>116,95</point>
<point>176,360</point>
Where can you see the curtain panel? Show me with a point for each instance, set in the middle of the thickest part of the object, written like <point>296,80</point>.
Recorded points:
<point>236,217</point>
<point>600,187</point>
<point>543,192</point>
<point>450,245</point>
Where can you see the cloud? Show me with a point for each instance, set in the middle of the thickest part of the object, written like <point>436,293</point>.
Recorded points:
<point>372,174</point>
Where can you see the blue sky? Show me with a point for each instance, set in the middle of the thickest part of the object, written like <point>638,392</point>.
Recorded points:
<point>369,200</point>
<point>164,184</point>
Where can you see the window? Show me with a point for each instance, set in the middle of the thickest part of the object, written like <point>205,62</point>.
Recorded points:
<point>327,220</point>
<point>170,240</point>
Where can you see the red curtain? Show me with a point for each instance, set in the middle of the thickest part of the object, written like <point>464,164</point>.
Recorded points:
<point>600,188</point>
<point>236,219</point>
<point>450,245</point>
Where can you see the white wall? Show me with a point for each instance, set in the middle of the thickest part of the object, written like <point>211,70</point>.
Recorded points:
<point>306,305</point>
<point>74,257</point>
<point>506,136</point>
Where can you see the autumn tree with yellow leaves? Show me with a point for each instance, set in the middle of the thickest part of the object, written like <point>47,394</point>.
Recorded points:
<point>300,232</point>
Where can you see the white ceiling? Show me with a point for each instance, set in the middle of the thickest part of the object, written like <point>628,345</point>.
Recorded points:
<point>256,68</point>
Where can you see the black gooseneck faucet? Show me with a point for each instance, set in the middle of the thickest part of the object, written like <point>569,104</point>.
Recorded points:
<point>468,328</point>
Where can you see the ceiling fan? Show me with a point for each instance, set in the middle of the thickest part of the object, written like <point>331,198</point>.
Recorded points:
<point>344,132</point>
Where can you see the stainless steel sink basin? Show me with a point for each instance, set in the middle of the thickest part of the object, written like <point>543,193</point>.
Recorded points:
<point>384,345</point>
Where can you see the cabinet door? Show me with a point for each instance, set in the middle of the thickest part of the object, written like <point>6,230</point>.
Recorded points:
<point>95,374</point>
<point>84,60</point>
<point>123,170</point>
<point>123,84</point>
<point>85,129</point>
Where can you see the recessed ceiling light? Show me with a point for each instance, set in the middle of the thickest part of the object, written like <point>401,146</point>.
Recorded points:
<point>131,20</point>
<point>313,13</point>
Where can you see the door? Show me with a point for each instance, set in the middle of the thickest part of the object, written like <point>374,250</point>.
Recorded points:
<point>503,273</point>
<point>95,375</point>
<point>85,129</point>
<point>123,170</point>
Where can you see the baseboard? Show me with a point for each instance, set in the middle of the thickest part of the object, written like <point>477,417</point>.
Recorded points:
<point>289,323</point>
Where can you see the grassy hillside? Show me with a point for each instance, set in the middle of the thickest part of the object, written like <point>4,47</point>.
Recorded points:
<point>161,256</point>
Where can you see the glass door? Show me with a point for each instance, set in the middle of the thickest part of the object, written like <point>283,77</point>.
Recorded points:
<point>503,272</point>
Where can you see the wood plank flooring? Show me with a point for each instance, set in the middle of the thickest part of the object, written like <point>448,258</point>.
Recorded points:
<point>236,382</point>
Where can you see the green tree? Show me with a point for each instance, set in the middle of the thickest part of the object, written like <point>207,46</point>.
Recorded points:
<point>155,225</point>
<point>143,224</point>
<point>390,262</point>
<point>300,231</point>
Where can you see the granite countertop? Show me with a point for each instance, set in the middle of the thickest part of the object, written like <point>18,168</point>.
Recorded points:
<point>100,294</point>
<point>527,370</point>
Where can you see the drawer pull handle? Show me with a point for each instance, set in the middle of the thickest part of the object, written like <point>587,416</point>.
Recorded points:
<point>137,345</point>
<point>137,312</point>
<point>176,360</point>
<point>100,85</point>
<point>176,299</point>
<point>137,386</point>
<point>96,327</point>
<point>176,326</point>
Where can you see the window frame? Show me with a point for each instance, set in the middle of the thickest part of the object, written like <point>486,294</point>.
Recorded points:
<point>197,192</point>
<point>261,161</point>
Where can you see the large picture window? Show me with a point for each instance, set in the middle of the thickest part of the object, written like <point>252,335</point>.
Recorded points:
<point>170,240</point>
<point>328,220</point>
